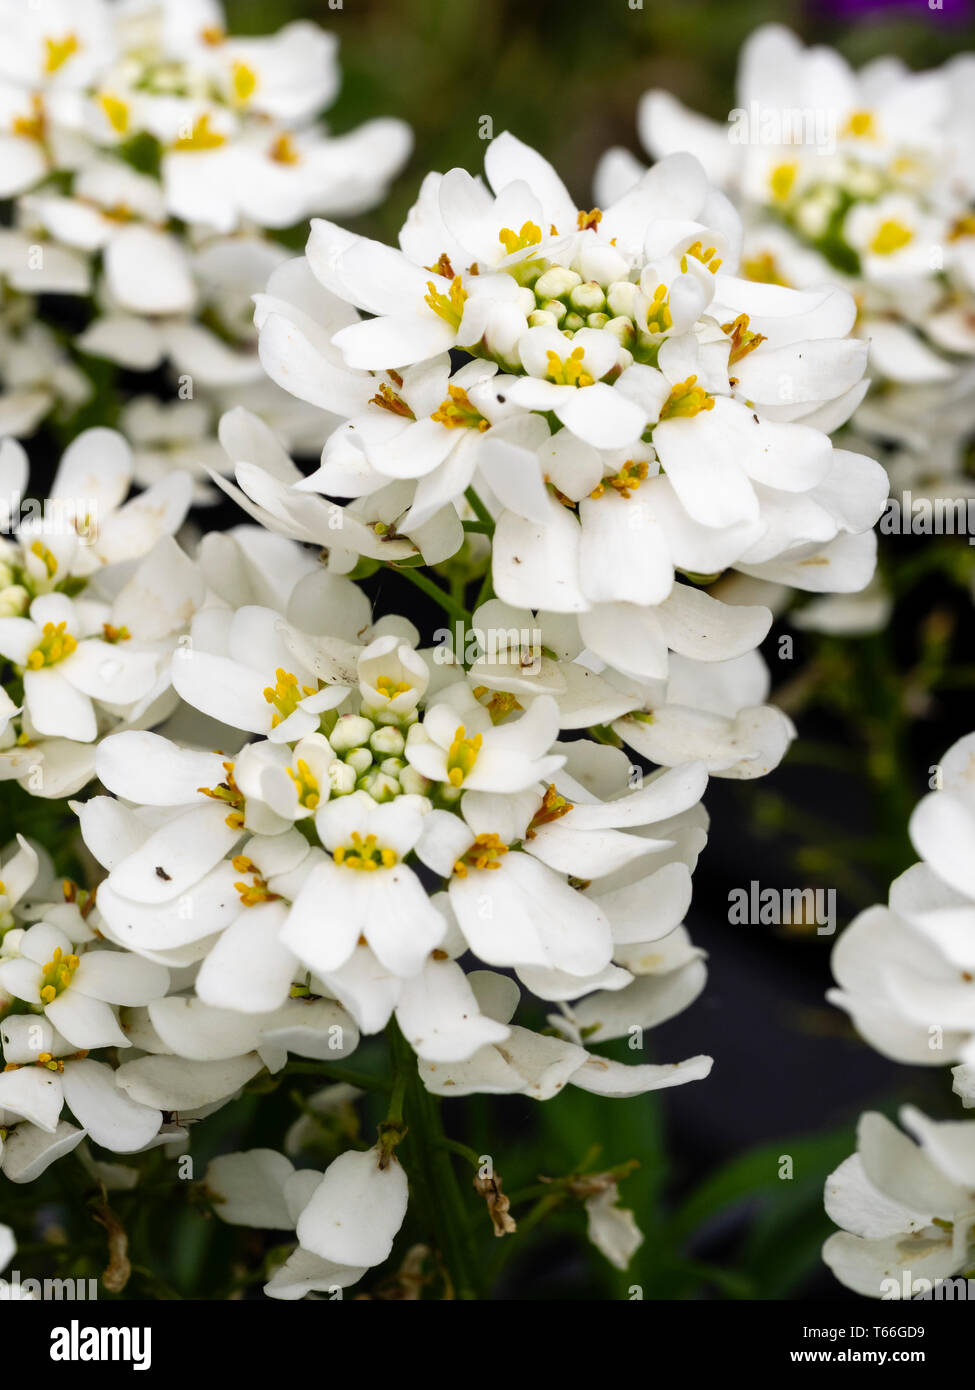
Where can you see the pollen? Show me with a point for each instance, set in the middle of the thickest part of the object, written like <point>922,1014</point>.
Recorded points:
<point>449,306</point>
<point>285,695</point>
<point>58,51</point>
<point>530,235</point>
<point>686,399</point>
<point>116,634</point>
<point>386,686</point>
<point>364,853</point>
<point>486,852</point>
<point>306,785</point>
<point>34,126</point>
<point>201,137</point>
<point>56,975</point>
<point>56,643</point>
<point>462,755</point>
<point>571,371</point>
<point>41,552</point>
<point>456,412</point>
<point>257,891</point>
<point>892,235</point>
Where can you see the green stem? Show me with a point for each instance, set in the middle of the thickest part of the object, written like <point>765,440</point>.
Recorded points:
<point>434,591</point>
<point>480,511</point>
<point>431,1172</point>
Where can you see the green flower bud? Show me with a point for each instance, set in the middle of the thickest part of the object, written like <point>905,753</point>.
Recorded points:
<point>379,785</point>
<point>388,740</point>
<point>556,282</point>
<point>351,731</point>
<point>341,778</point>
<point>588,297</point>
<point>360,759</point>
<point>414,782</point>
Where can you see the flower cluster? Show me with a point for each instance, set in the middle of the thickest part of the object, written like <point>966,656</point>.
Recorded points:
<point>863,180</point>
<point>149,153</point>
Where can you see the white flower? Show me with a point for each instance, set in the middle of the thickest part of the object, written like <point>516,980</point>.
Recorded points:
<point>457,744</point>
<point>612,1228</point>
<point>906,1208</point>
<point>356,1210</point>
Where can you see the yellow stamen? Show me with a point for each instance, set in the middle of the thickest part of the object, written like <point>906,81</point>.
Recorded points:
<point>285,695</point>
<point>46,557</point>
<point>626,481</point>
<point>764,270</point>
<point>388,399</point>
<point>228,792</point>
<point>686,399</point>
<point>34,126</point>
<point>56,975</point>
<point>781,180</point>
<point>442,266</point>
<point>55,644</point>
<point>708,256</point>
<point>456,412</point>
<point>385,686</point>
<point>201,137</point>
<point>449,306</point>
<point>244,82</point>
<point>58,51</point>
<point>743,340</point>
<point>364,854</point>
<point>571,371</point>
<point>530,235</point>
<point>486,852</point>
<point>116,112</point>
<point>659,317</point>
<point>553,808</point>
<point>116,634</point>
<point>462,755</point>
<point>860,125</point>
<point>892,235</point>
<point>587,220</point>
<point>306,785</point>
<point>285,151</point>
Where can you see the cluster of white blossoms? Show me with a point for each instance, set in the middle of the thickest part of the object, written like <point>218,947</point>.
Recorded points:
<point>148,153</point>
<point>906,977</point>
<point>863,180</point>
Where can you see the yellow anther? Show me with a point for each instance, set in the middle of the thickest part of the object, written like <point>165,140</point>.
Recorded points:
<point>306,785</point>
<point>449,306</point>
<point>285,151</point>
<point>253,893</point>
<point>244,82</point>
<point>763,269</point>
<point>627,480</point>
<point>58,51</point>
<point>501,703</point>
<point>589,219</point>
<point>116,112</point>
<point>441,266</point>
<point>962,227</point>
<point>530,235</point>
<point>385,686</point>
<point>686,399</point>
<point>860,125</point>
<point>228,792</point>
<point>201,137</point>
<point>553,808</point>
<point>212,35</point>
<point>462,755</point>
<point>285,695</point>
<point>34,126</point>
<point>659,317</point>
<point>456,412</point>
<point>56,975</point>
<point>41,552</point>
<point>568,372</point>
<point>708,256</point>
<point>743,340</point>
<point>486,852</point>
<point>892,235</point>
<point>781,180</point>
<point>116,634</point>
<point>388,399</point>
<point>364,854</point>
<point>56,643</point>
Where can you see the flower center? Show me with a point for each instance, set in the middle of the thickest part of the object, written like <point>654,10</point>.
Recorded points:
<point>456,412</point>
<point>201,137</point>
<point>743,340</point>
<point>56,643</point>
<point>781,180</point>
<point>285,695</point>
<point>364,854</point>
<point>486,852</point>
<point>462,755</point>
<point>449,306</point>
<point>56,975</point>
<point>116,634</point>
<point>386,686</point>
<point>34,125</point>
<point>686,399</point>
<point>708,256</point>
<point>659,317</point>
<point>530,235</point>
<point>626,481</point>
<point>285,151</point>
<point>892,235</point>
<point>116,112</point>
<point>553,808</point>
<point>568,372</point>
<point>388,399</point>
<point>244,82</point>
<point>860,125</point>
<point>306,785</point>
<point>230,793</point>
<point>587,220</point>
<point>58,51</point>
<point>500,705</point>
<point>256,892</point>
